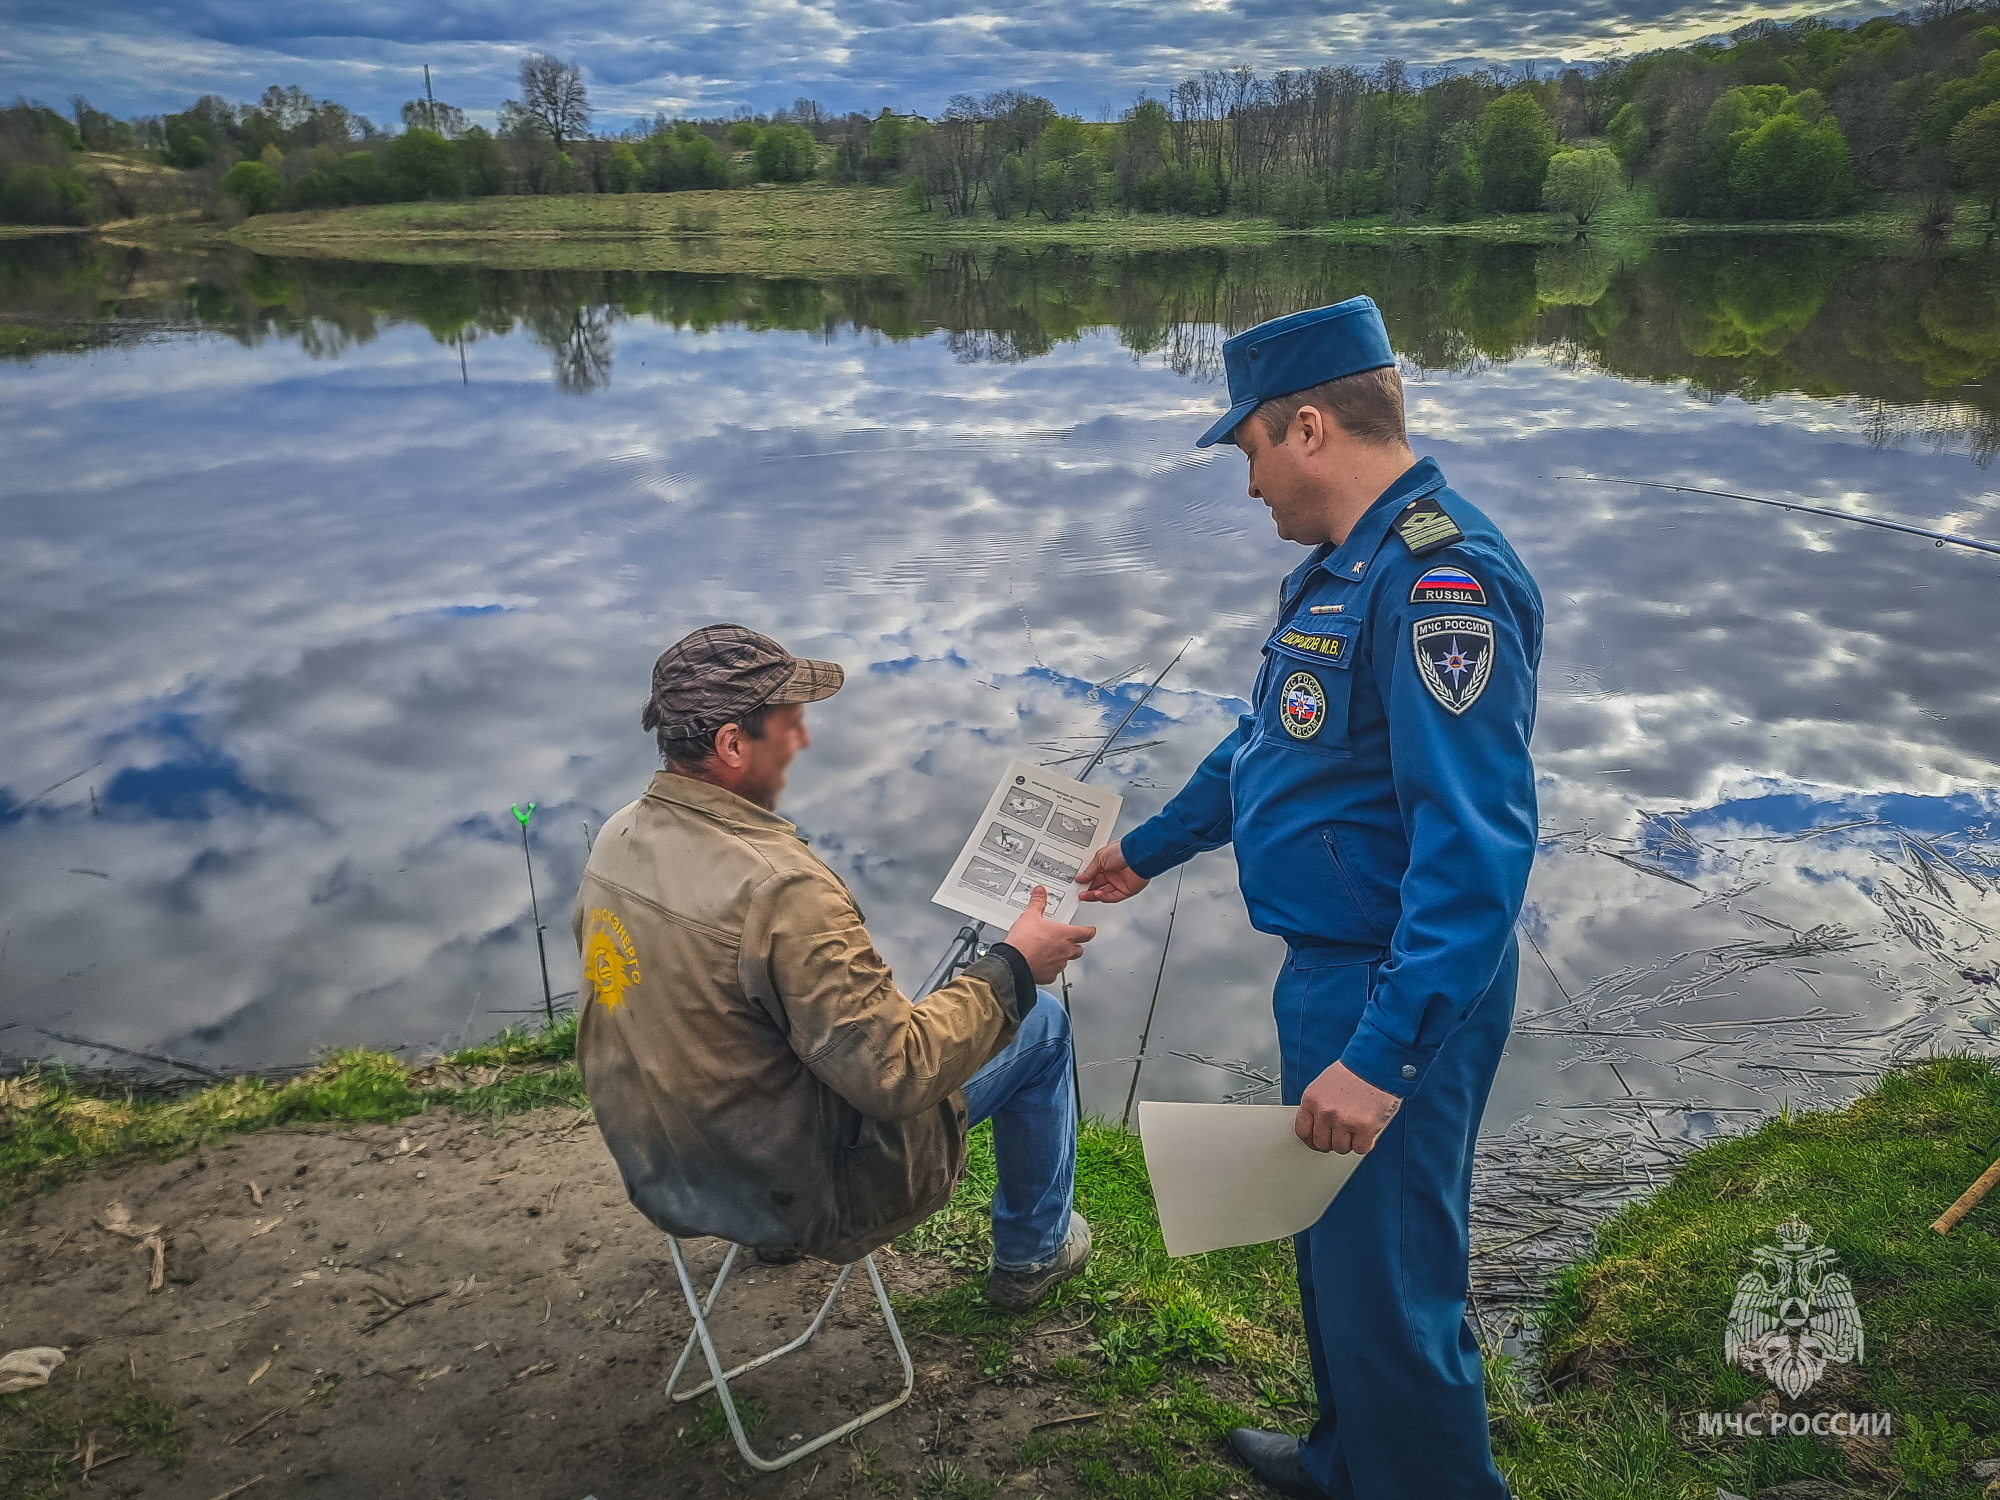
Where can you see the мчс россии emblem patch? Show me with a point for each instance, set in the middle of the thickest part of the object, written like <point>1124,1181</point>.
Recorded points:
<point>1302,706</point>
<point>1454,657</point>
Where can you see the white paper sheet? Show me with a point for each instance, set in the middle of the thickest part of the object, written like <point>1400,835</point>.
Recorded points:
<point>1235,1174</point>
<point>1038,828</point>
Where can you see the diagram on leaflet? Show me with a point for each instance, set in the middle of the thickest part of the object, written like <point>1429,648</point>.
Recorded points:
<point>1038,828</point>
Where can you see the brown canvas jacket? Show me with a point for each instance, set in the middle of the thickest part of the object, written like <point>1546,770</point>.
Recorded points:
<point>755,1071</point>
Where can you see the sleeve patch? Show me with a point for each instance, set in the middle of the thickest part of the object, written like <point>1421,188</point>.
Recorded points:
<point>1425,527</point>
<point>1447,586</point>
<point>1454,656</point>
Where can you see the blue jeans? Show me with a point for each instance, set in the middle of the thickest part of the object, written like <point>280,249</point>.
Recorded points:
<point>1025,1092</point>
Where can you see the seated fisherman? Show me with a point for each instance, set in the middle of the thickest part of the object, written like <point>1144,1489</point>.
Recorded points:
<point>755,1071</point>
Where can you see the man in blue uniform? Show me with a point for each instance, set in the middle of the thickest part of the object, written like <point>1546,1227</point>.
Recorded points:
<point>1382,804</point>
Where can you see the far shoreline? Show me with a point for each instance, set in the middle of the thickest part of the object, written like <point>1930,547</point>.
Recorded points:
<point>829,229</point>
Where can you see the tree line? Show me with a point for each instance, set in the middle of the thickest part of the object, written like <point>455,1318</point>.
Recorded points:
<point>1775,121</point>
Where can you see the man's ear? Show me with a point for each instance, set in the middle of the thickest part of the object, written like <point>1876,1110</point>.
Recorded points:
<point>729,745</point>
<point>1312,429</point>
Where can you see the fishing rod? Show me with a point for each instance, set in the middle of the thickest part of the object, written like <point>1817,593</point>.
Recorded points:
<point>964,946</point>
<point>1146,1032</point>
<point>1940,538</point>
<point>535,906</point>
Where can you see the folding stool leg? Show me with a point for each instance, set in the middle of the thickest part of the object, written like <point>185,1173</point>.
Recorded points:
<point>719,1378</point>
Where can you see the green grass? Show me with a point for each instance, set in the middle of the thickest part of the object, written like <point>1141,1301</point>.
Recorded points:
<point>52,1131</point>
<point>26,339</point>
<point>1181,1350</point>
<point>45,1434</point>
<point>1178,1351</point>
<point>820,227</point>
<point>1641,1319</point>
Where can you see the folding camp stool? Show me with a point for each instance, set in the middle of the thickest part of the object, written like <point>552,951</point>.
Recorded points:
<point>719,1378</point>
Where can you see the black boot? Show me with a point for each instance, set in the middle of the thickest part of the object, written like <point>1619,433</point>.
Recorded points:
<point>1274,1458</point>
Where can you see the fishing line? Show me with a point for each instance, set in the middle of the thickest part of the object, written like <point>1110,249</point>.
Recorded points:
<point>1941,538</point>
<point>1146,1032</point>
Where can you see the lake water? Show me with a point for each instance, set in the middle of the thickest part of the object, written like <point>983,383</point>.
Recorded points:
<point>311,569</point>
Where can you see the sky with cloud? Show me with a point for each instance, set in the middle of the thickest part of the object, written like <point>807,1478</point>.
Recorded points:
<point>713,56</point>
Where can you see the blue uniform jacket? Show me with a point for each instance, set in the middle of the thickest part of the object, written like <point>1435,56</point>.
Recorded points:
<point>1380,792</point>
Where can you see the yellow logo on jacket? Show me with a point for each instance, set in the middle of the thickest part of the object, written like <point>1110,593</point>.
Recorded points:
<point>610,961</point>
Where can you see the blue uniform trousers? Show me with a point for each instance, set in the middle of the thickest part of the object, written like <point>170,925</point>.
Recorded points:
<point>1382,1276</point>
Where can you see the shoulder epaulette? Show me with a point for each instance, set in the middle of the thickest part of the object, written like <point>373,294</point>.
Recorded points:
<point>1424,527</point>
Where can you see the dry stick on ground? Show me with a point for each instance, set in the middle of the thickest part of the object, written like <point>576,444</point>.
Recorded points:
<point>399,1309</point>
<point>1968,1200</point>
<point>274,1412</point>
<point>239,1489</point>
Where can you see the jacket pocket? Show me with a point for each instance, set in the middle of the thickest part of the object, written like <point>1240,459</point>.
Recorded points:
<point>1307,679</point>
<point>1372,917</point>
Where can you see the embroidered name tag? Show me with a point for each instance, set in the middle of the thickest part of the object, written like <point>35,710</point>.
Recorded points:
<point>1326,647</point>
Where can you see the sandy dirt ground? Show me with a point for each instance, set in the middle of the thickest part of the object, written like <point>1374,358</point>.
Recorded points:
<point>436,1308</point>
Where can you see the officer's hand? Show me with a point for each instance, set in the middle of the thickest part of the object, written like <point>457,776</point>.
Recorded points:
<point>1108,878</point>
<point>1046,945</point>
<point>1341,1112</point>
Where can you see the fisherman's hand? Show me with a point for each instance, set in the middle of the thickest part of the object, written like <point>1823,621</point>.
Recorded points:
<point>1046,945</point>
<point>1108,878</point>
<point>1341,1112</point>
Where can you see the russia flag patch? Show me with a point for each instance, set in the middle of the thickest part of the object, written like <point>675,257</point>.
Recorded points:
<point>1447,586</point>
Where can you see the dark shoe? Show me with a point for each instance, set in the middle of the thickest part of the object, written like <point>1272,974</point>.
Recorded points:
<point>1274,1458</point>
<point>780,1257</point>
<point>1018,1291</point>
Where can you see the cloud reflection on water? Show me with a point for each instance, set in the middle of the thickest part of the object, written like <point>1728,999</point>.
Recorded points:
<point>322,620</point>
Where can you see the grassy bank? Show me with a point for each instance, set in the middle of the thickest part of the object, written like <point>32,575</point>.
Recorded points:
<point>825,228</point>
<point>1182,1349</point>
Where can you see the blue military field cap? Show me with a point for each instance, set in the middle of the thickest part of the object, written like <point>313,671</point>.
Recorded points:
<point>1297,351</point>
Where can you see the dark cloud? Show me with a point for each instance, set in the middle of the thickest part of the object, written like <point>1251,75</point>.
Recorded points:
<point>707,56</point>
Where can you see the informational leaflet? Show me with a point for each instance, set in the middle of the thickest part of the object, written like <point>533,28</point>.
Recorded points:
<point>1235,1174</point>
<point>1039,828</point>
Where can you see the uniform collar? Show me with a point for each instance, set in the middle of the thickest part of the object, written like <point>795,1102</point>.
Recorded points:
<point>714,801</point>
<point>1350,560</point>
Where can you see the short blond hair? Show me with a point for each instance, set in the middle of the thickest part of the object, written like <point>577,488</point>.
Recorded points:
<point>1368,405</point>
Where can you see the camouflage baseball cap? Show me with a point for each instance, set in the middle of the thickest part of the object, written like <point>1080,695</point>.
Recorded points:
<point>722,672</point>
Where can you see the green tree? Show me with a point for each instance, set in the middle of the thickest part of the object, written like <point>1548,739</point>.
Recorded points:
<point>784,153</point>
<point>41,194</point>
<point>253,185</point>
<point>188,146</point>
<point>1790,167</point>
<point>1205,193</point>
<point>742,135</point>
<point>1975,151</point>
<point>1629,136</point>
<point>362,175</point>
<point>684,158</point>
<point>623,171</point>
<point>1516,141</point>
<point>481,166</point>
<point>1582,183</point>
<point>1298,202</point>
<point>885,137</point>
<point>1455,190</point>
<point>423,164</point>
<point>1139,153</point>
